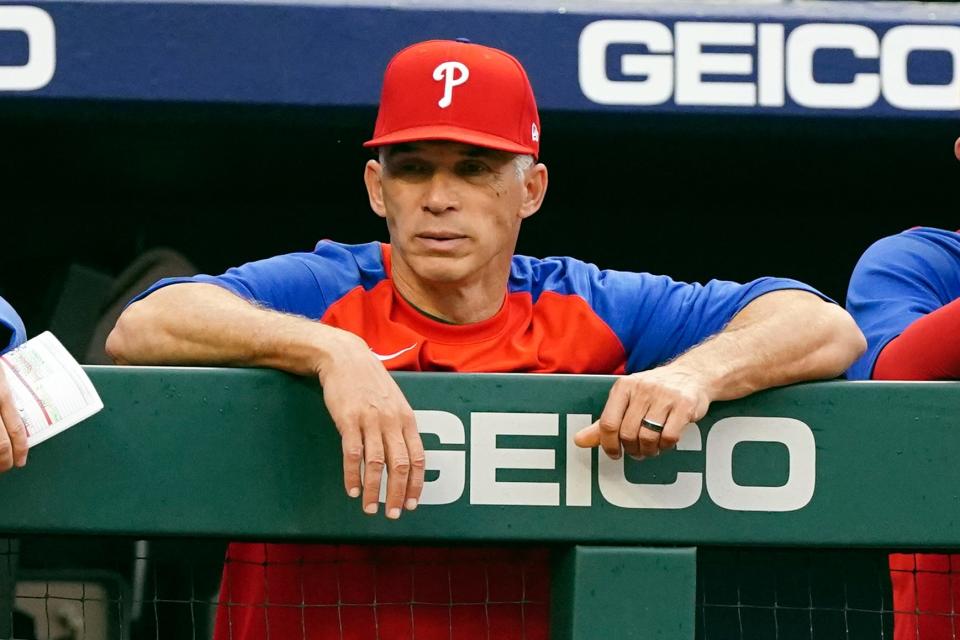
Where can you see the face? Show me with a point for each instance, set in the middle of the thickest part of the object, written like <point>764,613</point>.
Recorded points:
<point>453,210</point>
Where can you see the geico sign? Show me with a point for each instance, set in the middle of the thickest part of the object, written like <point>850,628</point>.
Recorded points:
<point>486,458</point>
<point>678,63</point>
<point>37,25</point>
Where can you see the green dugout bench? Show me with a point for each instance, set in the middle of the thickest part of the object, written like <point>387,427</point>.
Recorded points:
<point>218,454</point>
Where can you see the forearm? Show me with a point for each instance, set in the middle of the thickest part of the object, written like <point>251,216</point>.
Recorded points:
<point>193,324</point>
<point>927,350</point>
<point>780,338</point>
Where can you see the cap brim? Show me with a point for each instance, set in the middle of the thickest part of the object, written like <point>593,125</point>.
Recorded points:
<point>451,133</point>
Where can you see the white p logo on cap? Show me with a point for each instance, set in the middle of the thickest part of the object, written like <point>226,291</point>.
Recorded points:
<point>453,74</point>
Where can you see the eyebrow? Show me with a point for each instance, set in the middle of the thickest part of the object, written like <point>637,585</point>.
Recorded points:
<point>471,150</point>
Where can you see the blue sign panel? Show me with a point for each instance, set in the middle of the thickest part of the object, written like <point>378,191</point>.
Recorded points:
<point>775,60</point>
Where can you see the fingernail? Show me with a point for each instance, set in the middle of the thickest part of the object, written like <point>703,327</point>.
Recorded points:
<point>411,504</point>
<point>370,509</point>
<point>394,513</point>
<point>354,492</point>
<point>638,458</point>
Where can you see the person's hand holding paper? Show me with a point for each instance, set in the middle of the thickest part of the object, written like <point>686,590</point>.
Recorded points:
<point>13,434</point>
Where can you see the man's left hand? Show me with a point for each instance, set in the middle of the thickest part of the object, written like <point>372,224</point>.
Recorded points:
<point>640,404</point>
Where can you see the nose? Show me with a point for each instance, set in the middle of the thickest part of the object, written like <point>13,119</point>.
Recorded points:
<point>442,193</point>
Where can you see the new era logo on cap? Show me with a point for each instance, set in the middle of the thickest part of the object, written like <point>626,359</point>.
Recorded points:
<point>453,90</point>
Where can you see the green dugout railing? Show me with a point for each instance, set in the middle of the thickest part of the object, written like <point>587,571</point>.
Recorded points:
<point>248,454</point>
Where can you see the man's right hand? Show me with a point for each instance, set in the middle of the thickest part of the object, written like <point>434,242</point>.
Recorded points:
<point>203,324</point>
<point>13,435</point>
<point>377,426</point>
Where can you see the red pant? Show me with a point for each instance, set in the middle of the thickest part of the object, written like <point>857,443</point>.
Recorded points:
<point>923,596</point>
<point>345,592</point>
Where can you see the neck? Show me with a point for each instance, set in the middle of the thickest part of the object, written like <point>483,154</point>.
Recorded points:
<point>456,302</point>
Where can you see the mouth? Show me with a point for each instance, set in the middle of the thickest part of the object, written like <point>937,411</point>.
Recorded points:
<point>441,240</point>
<point>441,235</point>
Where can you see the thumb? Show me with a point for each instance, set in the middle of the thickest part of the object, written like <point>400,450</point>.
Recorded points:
<point>588,436</point>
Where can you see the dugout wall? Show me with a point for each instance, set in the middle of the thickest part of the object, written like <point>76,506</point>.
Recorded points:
<point>804,471</point>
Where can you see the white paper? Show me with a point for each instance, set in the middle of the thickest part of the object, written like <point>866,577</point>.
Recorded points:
<point>52,392</point>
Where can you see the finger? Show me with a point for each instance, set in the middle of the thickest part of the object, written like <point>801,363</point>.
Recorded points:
<point>13,434</point>
<point>630,427</point>
<point>588,436</point>
<point>648,440</point>
<point>610,420</point>
<point>373,463</point>
<point>16,431</point>
<point>398,468</point>
<point>352,444</point>
<point>673,429</point>
<point>418,462</point>
<point>6,449</point>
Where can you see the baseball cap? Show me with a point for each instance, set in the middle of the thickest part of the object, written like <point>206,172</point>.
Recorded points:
<point>460,91</point>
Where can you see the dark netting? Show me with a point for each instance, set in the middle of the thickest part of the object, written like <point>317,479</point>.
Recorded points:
<point>793,594</point>
<point>78,588</point>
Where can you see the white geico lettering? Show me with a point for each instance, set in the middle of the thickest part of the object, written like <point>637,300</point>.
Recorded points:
<point>676,63</point>
<point>37,25</point>
<point>486,458</point>
<point>453,75</point>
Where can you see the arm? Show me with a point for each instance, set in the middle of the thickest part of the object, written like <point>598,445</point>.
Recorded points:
<point>921,352</point>
<point>13,435</point>
<point>901,281</point>
<point>777,339</point>
<point>195,323</point>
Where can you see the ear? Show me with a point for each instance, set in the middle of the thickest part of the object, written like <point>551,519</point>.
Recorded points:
<point>956,148</point>
<point>373,178</point>
<point>534,189</point>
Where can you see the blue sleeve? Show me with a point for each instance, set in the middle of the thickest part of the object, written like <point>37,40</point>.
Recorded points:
<point>658,319</point>
<point>12,331</point>
<point>304,284</point>
<point>898,280</point>
<point>655,318</point>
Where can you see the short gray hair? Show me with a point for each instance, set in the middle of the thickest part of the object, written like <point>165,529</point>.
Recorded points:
<point>522,163</point>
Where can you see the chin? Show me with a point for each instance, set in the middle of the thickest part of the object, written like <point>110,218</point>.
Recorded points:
<point>439,269</point>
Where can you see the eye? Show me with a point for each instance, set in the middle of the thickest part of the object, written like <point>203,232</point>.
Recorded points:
<point>472,168</point>
<point>410,167</point>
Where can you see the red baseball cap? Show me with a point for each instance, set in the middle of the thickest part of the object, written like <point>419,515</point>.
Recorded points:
<point>460,91</point>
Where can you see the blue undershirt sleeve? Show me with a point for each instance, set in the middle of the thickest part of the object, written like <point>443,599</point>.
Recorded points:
<point>658,319</point>
<point>304,284</point>
<point>12,331</point>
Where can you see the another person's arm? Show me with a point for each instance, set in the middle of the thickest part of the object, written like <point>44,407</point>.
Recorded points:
<point>927,350</point>
<point>13,434</point>
<point>778,338</point>
<point>903,294</point>
<point>196,323</point>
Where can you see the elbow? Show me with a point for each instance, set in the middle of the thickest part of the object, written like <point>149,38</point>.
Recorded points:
<point>846,340</point>
<point>121,345</point>
<point>116,346</point>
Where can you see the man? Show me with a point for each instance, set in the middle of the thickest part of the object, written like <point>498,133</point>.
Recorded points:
<point>458,137</point>
<point>13,435</point>
<point>905,295</point>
